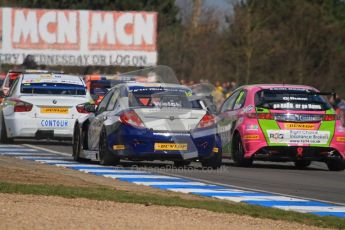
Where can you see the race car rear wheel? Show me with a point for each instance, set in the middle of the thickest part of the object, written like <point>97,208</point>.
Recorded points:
<point>302,164</point>
<point>3,133</point>
<point>238,153</point>
<point>77,144</point>
<point>336,165</point>
<point>214,162</point>
<point>105,156</point>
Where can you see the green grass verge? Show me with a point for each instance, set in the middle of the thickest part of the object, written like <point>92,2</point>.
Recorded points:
<point>108,194</point>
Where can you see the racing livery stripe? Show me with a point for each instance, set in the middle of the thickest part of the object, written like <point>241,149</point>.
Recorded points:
<point>177,184</point>
<point>268,125</point>
<point>327,126</point>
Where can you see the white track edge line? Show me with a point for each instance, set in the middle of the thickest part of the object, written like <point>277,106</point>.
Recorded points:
<point>251,189</point>
<point>48,150</point>
<point>207,181</point>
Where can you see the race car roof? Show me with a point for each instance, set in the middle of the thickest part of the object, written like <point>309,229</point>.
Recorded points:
<point>281,87</point>
<point>140,87</point>
<point>97,77</point>
<point>136,84</point>
<point>122,78</point>
<point>52,78</point>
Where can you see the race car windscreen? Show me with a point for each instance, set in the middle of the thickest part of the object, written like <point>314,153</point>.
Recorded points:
<point>158,97</point>
<point>52,84</point>
<point>291,99</point>
<point>53,89</point>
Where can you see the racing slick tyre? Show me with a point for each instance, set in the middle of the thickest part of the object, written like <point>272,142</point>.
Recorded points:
<point>336,165</point>
<point>105,156</point>
<point>181,164</point>
<point>77,144</point>
<point>3,133</point>
<point>214,162</point>
<point>238,153</point>
<point>302,164</point>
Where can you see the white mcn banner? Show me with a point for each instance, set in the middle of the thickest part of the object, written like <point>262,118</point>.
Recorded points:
<point>78,37</point>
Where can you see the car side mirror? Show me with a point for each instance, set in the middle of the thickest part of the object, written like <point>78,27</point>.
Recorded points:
<point>91,108</point>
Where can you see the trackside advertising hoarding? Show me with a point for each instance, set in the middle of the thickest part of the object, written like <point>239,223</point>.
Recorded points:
<point>78,37</point>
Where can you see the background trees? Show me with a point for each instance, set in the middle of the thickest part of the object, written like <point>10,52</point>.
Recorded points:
<point>273,41</point>
<point>293,41</point>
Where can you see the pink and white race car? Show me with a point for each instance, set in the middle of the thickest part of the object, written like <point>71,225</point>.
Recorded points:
<point>281,123</point>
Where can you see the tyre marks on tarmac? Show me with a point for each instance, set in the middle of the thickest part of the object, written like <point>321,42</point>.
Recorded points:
<point>176,184</point>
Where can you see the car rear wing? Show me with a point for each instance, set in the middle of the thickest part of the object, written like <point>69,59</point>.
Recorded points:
<point>332,94</point>
<point>294,91</point>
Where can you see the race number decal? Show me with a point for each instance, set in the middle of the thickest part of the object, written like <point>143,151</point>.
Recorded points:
<point>298,136</point>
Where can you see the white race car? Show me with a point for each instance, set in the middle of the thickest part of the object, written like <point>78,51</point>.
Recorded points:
<point>43,106</point>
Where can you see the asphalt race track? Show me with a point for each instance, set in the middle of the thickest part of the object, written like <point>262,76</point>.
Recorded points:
<point>316,182</point>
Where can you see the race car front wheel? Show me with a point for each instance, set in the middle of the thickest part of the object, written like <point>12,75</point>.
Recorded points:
<point>105,156</point>
<point>3,133</point>
<point>238,153</point>
<point>336,165</point>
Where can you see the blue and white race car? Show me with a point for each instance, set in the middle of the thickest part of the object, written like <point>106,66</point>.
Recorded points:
<point>148,121</point>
